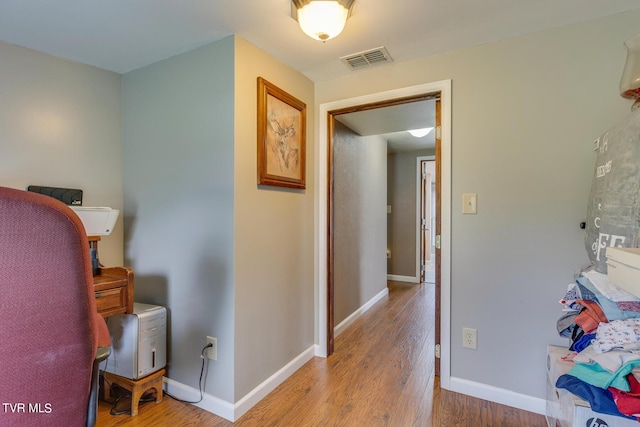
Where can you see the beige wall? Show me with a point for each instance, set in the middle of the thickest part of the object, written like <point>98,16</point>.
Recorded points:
<point>525,112</point>
<point>60,126</point>
<point>273,229</point>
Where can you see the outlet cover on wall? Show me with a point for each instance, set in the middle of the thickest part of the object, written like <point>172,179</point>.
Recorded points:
<point>470,338</point>
<point>470,203</point>
<point>212,352</point>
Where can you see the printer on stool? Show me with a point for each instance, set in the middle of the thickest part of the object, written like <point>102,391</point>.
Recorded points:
<point>138,341</point>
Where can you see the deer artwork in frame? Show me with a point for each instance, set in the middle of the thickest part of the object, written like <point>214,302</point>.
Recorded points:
<point>281,137</point>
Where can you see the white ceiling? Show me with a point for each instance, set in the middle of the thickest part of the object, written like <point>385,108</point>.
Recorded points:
<point>392,123</point>
<point>122,35</point>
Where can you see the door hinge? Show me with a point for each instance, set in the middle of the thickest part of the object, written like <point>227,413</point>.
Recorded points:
<point>437,241</point>
<point>439,132</point>
<point>437,351</point>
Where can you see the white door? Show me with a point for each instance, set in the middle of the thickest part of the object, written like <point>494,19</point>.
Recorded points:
<point>425,221</point>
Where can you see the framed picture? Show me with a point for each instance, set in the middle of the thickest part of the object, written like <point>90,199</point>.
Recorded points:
<point>281,137</point>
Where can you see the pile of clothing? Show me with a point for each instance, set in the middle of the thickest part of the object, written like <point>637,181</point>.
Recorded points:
<point>602,322</point>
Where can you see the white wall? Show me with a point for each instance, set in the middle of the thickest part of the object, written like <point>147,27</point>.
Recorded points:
<point>179,184</point>
<point>525,112</point>
<point>360,223</point>
<point>60,126</point>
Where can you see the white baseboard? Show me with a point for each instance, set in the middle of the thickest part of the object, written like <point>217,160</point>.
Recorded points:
<point>209,403</point>
<point>233,412</point>
<point>498,395</point>
<point>228,410</point>
<point>410,279</point>
<point>352,318</point>
<point>258,393</point>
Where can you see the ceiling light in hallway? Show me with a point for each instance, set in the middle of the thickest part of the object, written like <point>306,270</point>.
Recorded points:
<point>419,133</point>
<point>321,19</point>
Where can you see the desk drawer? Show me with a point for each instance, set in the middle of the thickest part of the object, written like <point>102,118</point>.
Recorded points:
<point>111,301</point>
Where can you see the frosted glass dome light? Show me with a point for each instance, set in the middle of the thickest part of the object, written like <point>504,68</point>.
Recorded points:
<point>419,133</point>
<point>322,19</point>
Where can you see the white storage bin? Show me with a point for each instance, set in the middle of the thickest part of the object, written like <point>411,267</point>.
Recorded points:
<point>565,409</point>
<point>623,268</point>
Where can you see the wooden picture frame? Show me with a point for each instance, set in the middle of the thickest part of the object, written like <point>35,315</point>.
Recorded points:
<point>282,131</point>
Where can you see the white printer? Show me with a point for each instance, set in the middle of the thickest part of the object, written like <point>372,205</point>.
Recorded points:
<point>138,341</point>
<point>97,221</point>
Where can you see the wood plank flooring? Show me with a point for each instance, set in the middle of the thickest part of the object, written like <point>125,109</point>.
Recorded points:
<point>380,375</point>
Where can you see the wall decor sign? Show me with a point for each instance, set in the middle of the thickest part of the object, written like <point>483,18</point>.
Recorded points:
<point>613,208</point>
<point>281,137</point>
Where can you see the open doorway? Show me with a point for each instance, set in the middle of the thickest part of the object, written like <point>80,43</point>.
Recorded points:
<point>374,154</point>
<point>426,207</point>
<point>324,236</point>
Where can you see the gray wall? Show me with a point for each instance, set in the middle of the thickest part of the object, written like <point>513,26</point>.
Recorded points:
<point>401,222</point>
<point>60,126</point>
<point>525,112</point>
<point>228,258</point>
<point>178,177</point>
<point>360,227</point>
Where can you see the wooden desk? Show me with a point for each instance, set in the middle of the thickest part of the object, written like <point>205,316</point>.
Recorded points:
<point>113,287</point>
<point>114,291</point>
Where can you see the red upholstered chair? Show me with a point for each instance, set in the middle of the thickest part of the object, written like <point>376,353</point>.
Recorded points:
<point>50,331</point>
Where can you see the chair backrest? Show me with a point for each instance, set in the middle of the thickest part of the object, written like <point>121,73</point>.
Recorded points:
<point>48,329</point>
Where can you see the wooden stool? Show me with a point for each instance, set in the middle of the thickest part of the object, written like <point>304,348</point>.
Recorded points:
<point>136,387</point>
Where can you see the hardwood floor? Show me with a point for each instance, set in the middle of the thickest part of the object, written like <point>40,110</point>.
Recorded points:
<point>380,375</point>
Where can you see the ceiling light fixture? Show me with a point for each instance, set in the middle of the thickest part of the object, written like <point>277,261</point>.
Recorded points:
<point>419,133</point>
<point>630,81</point>
<point>321,19</point>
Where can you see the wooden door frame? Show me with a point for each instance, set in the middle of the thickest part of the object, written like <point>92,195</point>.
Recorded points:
<point>324,183</point>
<point>439,252</point>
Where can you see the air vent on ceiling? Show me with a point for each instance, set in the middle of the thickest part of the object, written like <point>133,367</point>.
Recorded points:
<point>367,58</point>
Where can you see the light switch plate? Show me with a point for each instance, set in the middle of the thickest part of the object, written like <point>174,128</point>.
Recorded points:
<point>470,203</point>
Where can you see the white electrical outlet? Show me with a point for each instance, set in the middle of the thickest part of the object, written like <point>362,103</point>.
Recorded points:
<point>470,203</point>
<point>212,352</point>
<point>470,338</point>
